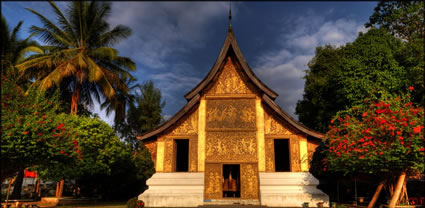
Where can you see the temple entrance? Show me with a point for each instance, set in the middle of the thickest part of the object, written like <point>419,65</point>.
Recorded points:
<point>182,155</point>
<point>281,155</point>
<point>231,183</point>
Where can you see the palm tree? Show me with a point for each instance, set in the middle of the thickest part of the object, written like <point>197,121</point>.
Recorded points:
<point>79,53</point>
<point>120,104</point>
<point>12,49</point>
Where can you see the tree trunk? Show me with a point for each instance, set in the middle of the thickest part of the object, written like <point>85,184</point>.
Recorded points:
<point>75,98</point>
<point>17,188</point>
<point>376,195</point>
<point>397,190</point>
<point>61,187</point>
<point>8,191</point>
<point>57,189</point>
<point>37,187</point>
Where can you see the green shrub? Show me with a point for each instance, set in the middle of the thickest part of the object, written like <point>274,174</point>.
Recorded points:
<point>132,203</point>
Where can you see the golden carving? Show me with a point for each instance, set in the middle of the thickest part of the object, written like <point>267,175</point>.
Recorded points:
<point>239,113</point>
<point>168,155</point>
<point>201,135</point>
<point>188,127</point>
<point>213,181</point>
<point>193,154</point>
<point>152,147</point>
<point>249,181</point>
<point>272,126</point>
<point>295,155</point>
<point>269,155</point>
<point>229,81</point>
<point>303,153</point>
<point>160,156</point>
<point>260,135</point>
<point>231,146</point>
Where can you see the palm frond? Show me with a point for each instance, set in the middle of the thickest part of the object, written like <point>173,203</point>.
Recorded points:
<point>104,53</point>
<point>51,28</point>
<point>15,31</point>
<point>63,20</point>
<point>34,49</point>
<point>114,36</point>
<point>50,37</point>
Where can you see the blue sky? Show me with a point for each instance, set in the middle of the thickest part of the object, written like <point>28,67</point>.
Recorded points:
<point>175,44</point>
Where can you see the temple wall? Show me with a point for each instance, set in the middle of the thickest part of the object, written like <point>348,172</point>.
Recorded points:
<point>187,128</point>
<point>152,147</point>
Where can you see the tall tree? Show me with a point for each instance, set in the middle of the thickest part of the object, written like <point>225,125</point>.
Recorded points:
<point>338,78</point>
<point>144,114</point>
<point>405,19</point>
<point>319,89</point>
<point>79,53</point>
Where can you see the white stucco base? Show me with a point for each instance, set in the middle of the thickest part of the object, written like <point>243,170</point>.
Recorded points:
<point>174,190</point>
<point>290,189</point>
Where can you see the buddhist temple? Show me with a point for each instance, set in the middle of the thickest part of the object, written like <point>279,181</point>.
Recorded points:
<point>232,144</point>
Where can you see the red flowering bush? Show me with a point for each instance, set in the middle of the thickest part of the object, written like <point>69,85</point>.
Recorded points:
<point>378,137</point>
<point>140,204</point>
<point>31,131</point>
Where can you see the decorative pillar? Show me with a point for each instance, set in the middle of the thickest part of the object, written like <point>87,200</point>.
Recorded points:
<point>160,156</point>
<point>303,153</point>
<point>260,135</point>
<point>201,135</point>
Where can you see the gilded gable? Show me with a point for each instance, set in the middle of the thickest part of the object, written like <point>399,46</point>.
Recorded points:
<point>274,127</point>
<point>189,126</point>
<point>229,82</point>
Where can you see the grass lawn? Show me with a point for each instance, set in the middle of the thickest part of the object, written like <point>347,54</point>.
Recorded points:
<point>98,204</point>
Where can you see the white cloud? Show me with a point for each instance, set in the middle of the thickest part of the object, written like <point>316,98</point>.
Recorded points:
<point>163,30</point>
<point>284,69</point>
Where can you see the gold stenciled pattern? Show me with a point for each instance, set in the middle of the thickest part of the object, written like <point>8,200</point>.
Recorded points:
<point>168,155</point>
<point>231,146</point>
<point>269,155</point>
<point>188,127</point>
<point>295,155</point>
<point>271,126</point>
<point>229,82</point>
<point>249,181</point>
<point>152,147</point>
<point>239,113</point>
<point>193,155</point>
<point>213,181</point>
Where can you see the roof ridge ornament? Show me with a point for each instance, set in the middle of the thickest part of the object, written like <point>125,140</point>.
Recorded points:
<point>230,16</point>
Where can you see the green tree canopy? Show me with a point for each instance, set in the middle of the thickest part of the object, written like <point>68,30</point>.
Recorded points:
<point>143,115</point>
<point>106,163</point>
<point>405,19</point>
<point>375,64</point>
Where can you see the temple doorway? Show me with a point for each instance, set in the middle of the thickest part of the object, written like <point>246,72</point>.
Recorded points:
<point>281,155</point>
<point>182,155</point>
<point>231,183</point>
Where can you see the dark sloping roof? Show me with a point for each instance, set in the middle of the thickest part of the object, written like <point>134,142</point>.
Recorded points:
<point>286,117</point>
<point>230,43</point>
<point>268,95</point>
<point>189,105</point>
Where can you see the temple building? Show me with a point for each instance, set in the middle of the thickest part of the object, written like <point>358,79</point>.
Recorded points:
<point>232,144</point>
